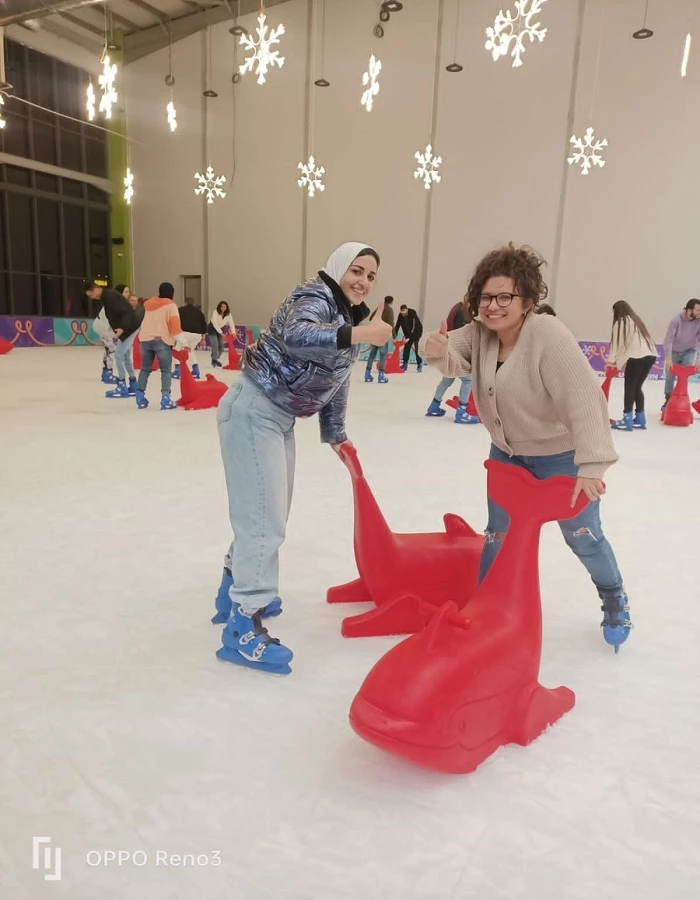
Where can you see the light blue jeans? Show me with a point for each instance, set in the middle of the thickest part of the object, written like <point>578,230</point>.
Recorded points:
<point>465,388</point>
<point>685,358</point>
<point>122,357</point>
<point>149,351</point>
<point>584,533</point>
<point>258,451</point>
<point>383,352</point>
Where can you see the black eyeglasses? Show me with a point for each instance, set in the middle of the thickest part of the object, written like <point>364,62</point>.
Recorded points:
<point>501,299</point>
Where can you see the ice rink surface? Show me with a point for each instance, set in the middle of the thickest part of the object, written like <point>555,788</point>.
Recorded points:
<point>120,731</point>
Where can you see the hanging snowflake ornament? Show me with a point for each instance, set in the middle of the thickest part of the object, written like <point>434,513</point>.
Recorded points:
<point>262,54</point>
<point>128,186</point>
<point>90,102</point>
<point>513,29</point>
<point>210,184</point>
<point>106,81</point>
<point>428,166</point>
<point>2,119</point>
<point>371,83</point>
<point>587,151</point>
<point>311,176</point>
<point>172,115</point>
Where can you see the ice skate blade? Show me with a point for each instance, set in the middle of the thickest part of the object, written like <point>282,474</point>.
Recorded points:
<point>227,655</point>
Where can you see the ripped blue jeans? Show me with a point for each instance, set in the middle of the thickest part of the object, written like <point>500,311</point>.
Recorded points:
<point>584,533</point>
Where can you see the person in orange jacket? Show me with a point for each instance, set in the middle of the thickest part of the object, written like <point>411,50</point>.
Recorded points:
<point>160,326</point>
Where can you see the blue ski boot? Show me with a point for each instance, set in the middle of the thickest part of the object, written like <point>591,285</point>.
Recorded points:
<point>382,379</point>
<point>435,409</point>
<point>141,401</point>
<point>368,376</point>
<point>166,402</point>
<point>223,604</point>
<point>195,370</point>
<point>108,377</point>
<point>119,392</point>
<point>247,643</point>
<point>616,622</point>
<point>176,372</point>
<point>462,417</point>
<point>640,421</point>
<point>623,424</point>
<point>132,387</point>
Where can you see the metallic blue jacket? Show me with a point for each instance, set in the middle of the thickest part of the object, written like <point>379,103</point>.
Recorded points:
<point>296,360</point>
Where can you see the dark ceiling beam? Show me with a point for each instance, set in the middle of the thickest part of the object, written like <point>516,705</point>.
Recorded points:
<point>53,26</point>
<point>149,40</point>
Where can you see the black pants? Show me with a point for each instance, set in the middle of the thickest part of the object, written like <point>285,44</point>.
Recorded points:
<point>636,372</point>
<point>411,342</point>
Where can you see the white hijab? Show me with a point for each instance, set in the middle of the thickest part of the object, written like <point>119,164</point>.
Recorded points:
<point>340,260</point>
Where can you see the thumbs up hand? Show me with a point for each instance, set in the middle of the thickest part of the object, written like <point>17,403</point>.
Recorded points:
<point>436,345</point>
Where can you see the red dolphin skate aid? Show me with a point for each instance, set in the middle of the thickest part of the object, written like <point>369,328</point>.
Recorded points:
<point>610,373</point>
<point>234,357</point>
<point>471,406</point>
<point>678,410</point>
<point>448,697</point>
<point>393,362</point>
<point>197,394</point>
<point>406,576</point>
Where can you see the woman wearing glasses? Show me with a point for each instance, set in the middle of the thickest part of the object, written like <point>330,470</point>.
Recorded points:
<point>542,405</point>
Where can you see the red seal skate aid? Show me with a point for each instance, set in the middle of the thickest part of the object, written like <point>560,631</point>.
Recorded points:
<point>197,394</point>
<point>449,696</point>
<point>393,362</point>
<point>234,357</point>
<point>136,348</point>
<point>678,410</point>
<point>406,576</point>
<point>610,373</point>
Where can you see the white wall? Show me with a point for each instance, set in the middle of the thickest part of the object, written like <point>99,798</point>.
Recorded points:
<point>628,231</point>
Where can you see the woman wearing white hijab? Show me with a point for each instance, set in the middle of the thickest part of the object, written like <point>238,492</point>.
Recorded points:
<point>299,366</point>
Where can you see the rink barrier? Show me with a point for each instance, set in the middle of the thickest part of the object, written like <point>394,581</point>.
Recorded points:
<point>40,331</point>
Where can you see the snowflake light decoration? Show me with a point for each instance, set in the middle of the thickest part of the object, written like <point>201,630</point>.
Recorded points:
<point>587,151</point>
<point>106,81</point>
<point>311,176</point>
<point>128,186</point>
<point>262,54</point>
<point>172,115</point>
<point>90,102</point>
<point>210,184</point>
<point>2,120</point>
<point>428,166</point>
<point>371,83</point>
<point>514,29</point>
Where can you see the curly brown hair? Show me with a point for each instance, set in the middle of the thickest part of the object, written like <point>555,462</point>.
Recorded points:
<point>522,264</point>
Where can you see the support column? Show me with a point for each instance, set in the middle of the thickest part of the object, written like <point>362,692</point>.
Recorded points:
<point>117,161</point>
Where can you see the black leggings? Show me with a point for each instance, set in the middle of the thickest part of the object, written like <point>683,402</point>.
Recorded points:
<point>636,373</point>
<point>411,342</point>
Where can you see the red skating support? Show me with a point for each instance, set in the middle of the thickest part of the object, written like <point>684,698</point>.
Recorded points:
<point>678,410</point>
<point>696,406</point>
<point>449,696</point>
<point>5,346</point>
<point>137,356</point>
<point>610,373</point>
<point>197,394</point>
<point>393,362</point>
<point>234,357</point>
<point>406,576</point>
<point>453,402</point>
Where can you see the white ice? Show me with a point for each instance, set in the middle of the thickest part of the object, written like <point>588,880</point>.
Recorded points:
<point>119,730</point>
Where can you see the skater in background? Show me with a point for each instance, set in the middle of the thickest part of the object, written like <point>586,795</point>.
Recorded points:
<point>412,328</point>
<point>682,344</point>
<point>301,365</point>
<point>124,323</point>
<point>159,330</point>
<point>388,317</point>
<point>546,310</point>
<point>108,338</point>
<point>124,290</point>
<point>221,319</point>
<point>137,306</point>
<point>457,317</point>
<point>194,327</point>
<point>542,405</point>
<point>632,349</point>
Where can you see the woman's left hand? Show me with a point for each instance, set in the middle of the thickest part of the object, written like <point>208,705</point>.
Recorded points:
<point>593,488</point>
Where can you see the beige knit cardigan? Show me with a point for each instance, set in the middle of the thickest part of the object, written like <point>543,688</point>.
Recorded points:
<point>545,398</point>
